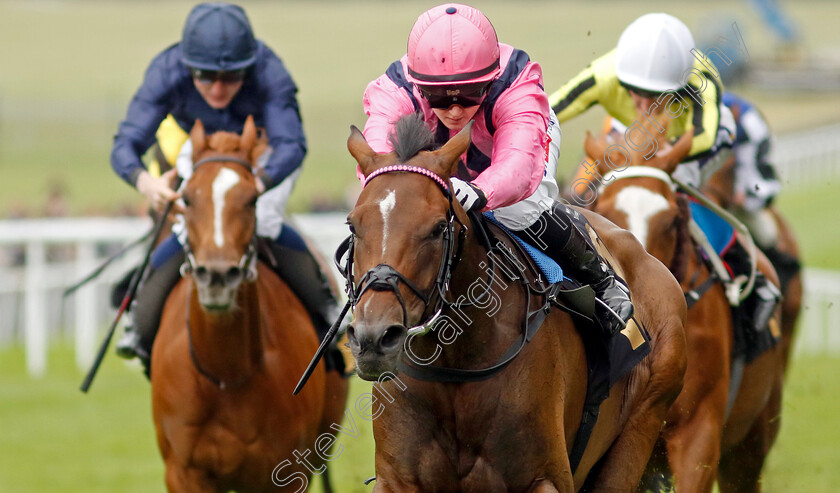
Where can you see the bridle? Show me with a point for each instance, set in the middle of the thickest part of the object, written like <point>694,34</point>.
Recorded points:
<point>247,264</point>
<point>695,292</point>
<point>384,277</point>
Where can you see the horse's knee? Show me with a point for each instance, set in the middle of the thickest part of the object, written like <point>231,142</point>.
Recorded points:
<point>184,480</point>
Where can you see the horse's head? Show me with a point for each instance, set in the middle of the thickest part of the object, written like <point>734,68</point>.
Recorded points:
<point>220,203</point>
<point>404,229</point>
<point>636,190</point>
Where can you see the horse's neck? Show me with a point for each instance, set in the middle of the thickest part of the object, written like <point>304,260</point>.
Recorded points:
<point>228,345</point>
<point>484,319</point>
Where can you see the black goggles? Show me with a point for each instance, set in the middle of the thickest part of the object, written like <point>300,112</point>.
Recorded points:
<point>223,76</point>
<point>642,92</point>
<point>466,95</point>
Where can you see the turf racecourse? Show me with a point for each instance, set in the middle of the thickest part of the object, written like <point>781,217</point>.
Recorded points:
<point>54,439</point>
<point>68,69</point>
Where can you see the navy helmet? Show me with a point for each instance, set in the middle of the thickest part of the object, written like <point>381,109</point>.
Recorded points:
<point>218,37</point>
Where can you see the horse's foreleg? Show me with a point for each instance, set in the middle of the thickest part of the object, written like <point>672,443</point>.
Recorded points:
<point>187,480</point>
<point>622,467</point>
<point>740,467</point>
<point>694,451</point>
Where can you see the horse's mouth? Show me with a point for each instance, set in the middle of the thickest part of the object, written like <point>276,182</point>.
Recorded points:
<point>371,366</point>
<point>217,307</point>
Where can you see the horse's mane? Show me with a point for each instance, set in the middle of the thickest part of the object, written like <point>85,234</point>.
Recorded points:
<point>223,142</point>
<point>679,262</point>
<point>410,136</point>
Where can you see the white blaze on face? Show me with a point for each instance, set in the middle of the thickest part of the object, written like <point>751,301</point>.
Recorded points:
<point>640,204</point>
<point>386,205</point>
<point>225,180</point>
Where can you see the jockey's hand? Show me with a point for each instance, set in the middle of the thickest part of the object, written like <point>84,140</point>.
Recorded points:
<point>470,196</point>
<point>158,191</point>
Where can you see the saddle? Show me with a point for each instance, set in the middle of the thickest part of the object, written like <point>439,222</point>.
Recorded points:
<point>721,236</point>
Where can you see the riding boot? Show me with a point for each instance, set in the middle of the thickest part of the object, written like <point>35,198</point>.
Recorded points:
<point>299,269</point>
<point>786,265</point>
<point>561,233</point>
<point>146,309</point>
<point>758,307</point>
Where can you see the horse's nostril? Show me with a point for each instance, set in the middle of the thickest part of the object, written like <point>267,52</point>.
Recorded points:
<point>351,335</point>
<point>202,275</point>
<point>393,337</point>
<point>233,276</point>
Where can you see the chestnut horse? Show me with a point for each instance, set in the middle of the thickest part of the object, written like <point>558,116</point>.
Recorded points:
<point>721,188</point>
<point>475,419</point>
<point>703,441</point>
<point>233,339</point>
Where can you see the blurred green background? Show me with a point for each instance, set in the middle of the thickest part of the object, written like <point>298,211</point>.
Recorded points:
<point>69,68</point>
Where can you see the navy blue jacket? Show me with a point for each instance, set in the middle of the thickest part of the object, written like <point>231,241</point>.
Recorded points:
<point>268,93</point>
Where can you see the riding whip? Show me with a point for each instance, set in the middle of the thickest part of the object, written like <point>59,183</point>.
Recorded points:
<point>330,335</point>
<point>129,295</point>
<point>97,271</point>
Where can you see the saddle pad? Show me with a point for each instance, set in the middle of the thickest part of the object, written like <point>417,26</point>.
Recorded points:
<point>720,233</point>
<point>550,268</point>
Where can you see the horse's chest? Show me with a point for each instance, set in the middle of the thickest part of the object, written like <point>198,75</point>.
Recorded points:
<point>240,440</point>
<point>486,456</point>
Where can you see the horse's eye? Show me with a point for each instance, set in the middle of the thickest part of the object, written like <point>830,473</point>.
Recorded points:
<point>253,202</point>
<point>438,230</point>
<point>186,200</point>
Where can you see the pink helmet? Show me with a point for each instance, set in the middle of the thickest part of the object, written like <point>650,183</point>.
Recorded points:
<point>452,44</point>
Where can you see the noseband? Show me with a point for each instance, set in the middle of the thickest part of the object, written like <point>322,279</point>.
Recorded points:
<point>637,172</point>
<point>384,277</point>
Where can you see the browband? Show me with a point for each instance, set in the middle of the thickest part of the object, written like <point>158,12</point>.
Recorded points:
<point>411,169</point>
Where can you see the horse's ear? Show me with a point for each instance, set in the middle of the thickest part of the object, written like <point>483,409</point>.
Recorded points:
<point>249,135</point>
<point>198,139</point>
<point>595,149</point>
<point>361,151</point>
<point>678,152</point>
<point>450,154</point>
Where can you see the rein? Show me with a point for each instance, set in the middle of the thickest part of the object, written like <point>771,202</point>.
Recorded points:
<point>694,293</point>
<point>384,277</point>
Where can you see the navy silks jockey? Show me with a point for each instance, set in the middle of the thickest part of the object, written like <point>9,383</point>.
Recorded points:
<point>455,72</point>
<point>219,73</point>
<point>656,68</point>
<point>756,183</point>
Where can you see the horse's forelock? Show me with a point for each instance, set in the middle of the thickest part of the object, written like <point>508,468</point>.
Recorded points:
<point>223,142</point>
<point>410,136</point>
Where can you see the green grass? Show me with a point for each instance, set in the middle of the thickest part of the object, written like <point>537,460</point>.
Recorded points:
<point>812,213</point>
<point>68,70</point>
<point>54,438</point>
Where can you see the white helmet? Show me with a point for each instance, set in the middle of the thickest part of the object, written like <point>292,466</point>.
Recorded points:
<point>654,53</point>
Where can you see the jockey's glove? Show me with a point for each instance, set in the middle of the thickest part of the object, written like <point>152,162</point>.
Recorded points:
<point>470,196</point>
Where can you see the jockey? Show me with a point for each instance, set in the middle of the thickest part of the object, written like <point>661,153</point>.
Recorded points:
<point>656,69</point>
<point>756,183</point>
<point>218,73</point>
<point>455,72</point>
